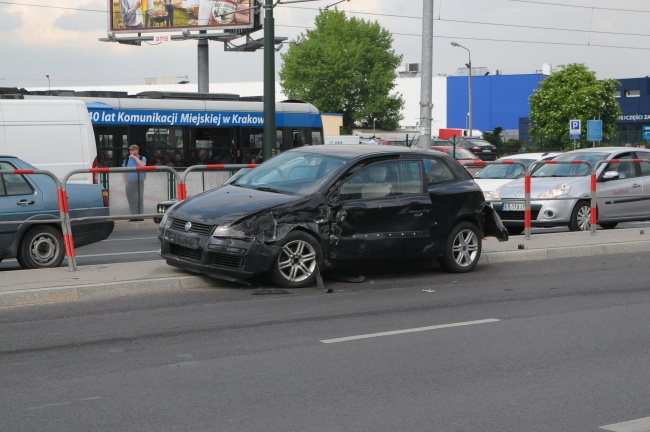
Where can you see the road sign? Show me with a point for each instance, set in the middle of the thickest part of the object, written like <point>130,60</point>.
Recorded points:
<point>575,127</point>
<point>594,130</point>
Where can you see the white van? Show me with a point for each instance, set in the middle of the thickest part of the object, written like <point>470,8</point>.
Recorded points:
<point>52,135</point>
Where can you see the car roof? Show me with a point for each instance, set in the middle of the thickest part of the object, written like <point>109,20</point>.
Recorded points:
<point>607,149</point>
<point>351,151</point>
<point>532,155</point>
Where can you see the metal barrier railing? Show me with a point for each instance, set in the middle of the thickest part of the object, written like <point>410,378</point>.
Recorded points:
<point>182,191</point>
<point>161,168</point>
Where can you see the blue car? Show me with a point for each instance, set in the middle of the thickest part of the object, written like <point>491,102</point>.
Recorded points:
<point>28,210</point>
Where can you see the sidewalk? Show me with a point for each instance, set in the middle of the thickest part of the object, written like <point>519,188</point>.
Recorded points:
<point>23,287</point>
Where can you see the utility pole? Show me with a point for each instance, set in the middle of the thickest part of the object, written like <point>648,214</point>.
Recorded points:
<point>203,64</point>
<point>269,136</point>
<point>426,80</point>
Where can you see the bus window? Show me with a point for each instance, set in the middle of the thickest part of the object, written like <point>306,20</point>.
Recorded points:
<point>218,145</point>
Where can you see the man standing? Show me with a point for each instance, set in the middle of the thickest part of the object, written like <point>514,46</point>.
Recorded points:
<point>134,181</point>
<point>131,14</point>
<point>169,8</point>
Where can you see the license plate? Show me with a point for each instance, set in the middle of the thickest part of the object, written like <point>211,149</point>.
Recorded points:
<point>513,206</point>
<point>185,240</point>
<point>485,151</point>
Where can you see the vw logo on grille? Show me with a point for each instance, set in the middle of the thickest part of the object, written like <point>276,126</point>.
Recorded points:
<point>517,193</point>
<point>188,226</point>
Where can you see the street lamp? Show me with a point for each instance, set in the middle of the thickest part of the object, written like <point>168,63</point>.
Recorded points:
<point>469,85</point>
<point>374,133</point>
<point>48,84</point>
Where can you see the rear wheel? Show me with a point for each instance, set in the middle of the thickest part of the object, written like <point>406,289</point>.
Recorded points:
<point>42,247</point>
<point>462,249</point>
<point>581,217</point>
<point>296,263</point>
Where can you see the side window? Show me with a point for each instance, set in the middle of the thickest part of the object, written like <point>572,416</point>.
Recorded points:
<point>628,169</point>
<point>13,184</point>
<point>624,169</point>
<point>645,166</point>
<point>382,179</point>
<point>436,171</point>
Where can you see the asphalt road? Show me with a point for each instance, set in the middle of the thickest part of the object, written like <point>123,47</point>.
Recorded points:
<point>562,346</point>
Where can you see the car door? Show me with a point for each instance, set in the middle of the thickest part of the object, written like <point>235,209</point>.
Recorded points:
<point>375,221</point>
<point>620,197</point>
<point>18,201</point>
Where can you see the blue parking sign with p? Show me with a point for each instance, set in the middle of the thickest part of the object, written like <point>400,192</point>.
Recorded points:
<point>574,129</point>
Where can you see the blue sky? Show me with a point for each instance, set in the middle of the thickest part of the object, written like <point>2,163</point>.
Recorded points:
<point>513,36</point>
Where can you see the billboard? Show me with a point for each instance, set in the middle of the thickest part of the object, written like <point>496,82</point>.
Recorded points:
<point>144,16</point>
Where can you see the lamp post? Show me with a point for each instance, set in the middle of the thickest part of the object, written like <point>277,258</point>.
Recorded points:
<point>48,84</point>
<point>374,132</point>
<point>469,85</point>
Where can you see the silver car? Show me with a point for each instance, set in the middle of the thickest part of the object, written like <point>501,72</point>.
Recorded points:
<point>561,193</point>
<point>492,177</point>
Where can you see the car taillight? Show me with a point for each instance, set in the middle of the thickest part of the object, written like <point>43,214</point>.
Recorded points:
<point>476,148</point>
<point>95,165</point>
<point>105,197</point>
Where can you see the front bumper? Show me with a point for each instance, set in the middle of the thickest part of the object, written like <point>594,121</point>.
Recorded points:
<point>543,213</point>
<point>221,258</point>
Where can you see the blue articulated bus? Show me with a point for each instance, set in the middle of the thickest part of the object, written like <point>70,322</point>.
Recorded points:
<point>184,129</point>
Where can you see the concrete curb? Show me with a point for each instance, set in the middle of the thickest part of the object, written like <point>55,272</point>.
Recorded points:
<point>103,290</point>
<point>563,252</point>
<point>100,282</point>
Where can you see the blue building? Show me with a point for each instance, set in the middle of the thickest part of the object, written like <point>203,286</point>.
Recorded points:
<point>502,101</point>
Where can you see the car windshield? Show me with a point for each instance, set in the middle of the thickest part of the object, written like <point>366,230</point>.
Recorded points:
<point>503,171</point>
<point>570,169</point>
<point>292,172</point>
<point>461,154</point>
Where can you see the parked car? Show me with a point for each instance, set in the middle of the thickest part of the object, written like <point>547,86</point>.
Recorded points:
<point>395,142</point>
<point>561,193</point>
<point>463,156</point>
<point>324,207</point>
<point>494,176</point>
<point>481,148</point>
<point>25,198</point>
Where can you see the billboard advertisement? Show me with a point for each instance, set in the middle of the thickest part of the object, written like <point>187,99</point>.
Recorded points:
<point>144,16</point>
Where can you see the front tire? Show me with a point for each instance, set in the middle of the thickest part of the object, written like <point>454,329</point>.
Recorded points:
<point>580,217</point>
<point>42,247</point>
<point>296,264</point>
<point>462,249</point>
<point>608,225</point>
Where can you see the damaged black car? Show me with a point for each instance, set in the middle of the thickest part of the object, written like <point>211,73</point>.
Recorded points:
<point>314,209</point>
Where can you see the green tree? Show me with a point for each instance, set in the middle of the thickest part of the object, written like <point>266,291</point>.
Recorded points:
<point>573,92</point>
<point>345,66</point>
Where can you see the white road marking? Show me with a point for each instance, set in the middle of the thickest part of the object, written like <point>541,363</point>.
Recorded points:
<point>412,330</point>
<point>638,425</point>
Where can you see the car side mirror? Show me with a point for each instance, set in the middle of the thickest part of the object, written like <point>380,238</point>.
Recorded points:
<point>610,175</point>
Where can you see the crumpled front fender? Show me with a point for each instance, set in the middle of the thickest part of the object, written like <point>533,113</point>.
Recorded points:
<point>493,227</point>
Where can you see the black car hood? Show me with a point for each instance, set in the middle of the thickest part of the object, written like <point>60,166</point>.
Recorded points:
<point>229,204</point>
